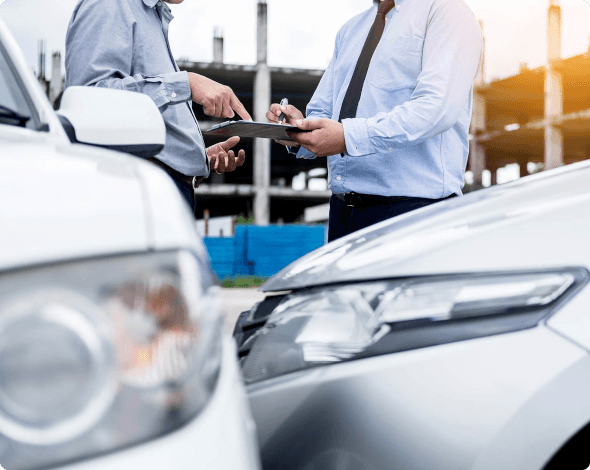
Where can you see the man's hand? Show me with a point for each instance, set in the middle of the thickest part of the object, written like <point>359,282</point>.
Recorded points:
<point>292,114</point>
<point>326,137</point>
<point>222,159</point>
<point>217,100</point>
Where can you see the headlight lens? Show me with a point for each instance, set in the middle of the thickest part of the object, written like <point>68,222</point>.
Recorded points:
<point>338,323</point>
<point>102,354</point>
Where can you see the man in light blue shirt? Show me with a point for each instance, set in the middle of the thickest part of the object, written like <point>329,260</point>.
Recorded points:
<point>123,44</point>
<point>403,142</point>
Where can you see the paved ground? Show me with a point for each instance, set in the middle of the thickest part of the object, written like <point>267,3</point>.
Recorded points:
<point>236,300</point>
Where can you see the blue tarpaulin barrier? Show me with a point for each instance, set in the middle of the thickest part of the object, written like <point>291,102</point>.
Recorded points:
<point>262,251</point>
<point>221,252</point>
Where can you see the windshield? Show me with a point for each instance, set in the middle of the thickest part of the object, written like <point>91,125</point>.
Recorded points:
<point>14,107</point>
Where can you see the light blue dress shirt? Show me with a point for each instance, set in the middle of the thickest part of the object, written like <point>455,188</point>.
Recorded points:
<point>410,136</point>
<point>123,44</point>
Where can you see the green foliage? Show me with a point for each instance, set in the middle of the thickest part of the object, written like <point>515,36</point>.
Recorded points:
<point>242,220</point>
<point>243,282</point>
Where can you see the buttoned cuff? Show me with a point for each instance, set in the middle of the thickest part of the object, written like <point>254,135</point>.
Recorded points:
<point>356,136</point>
<point>178,87</point>
<point>175,88</point>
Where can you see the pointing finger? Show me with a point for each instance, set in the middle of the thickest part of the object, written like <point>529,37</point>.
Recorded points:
<point>226,111</point>
<point>238,107</point>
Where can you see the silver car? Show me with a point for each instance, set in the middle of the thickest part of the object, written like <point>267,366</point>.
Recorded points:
<point>113,352</point>
<point>454,337</point>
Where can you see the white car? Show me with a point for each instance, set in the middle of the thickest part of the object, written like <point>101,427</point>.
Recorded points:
<point>456,337</point>
<point>112,347</point>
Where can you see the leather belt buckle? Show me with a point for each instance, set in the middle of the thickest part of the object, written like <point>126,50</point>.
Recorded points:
<point>352,199</point>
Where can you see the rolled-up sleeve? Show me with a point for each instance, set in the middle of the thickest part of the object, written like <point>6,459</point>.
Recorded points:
<point>99,52</point>
<point>452,54</point>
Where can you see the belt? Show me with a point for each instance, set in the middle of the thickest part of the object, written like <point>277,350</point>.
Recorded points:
<point>353,199</point>
<point>192,181</point>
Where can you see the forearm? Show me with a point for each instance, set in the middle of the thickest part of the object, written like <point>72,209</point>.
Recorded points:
<point>169,88</point>
<point>409,124</point>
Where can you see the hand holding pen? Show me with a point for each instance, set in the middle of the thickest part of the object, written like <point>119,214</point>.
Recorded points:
<point>284,103</point>
<point>284,113</point>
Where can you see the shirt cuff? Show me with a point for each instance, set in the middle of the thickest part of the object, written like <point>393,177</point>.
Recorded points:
<point>177,87</point>
<point>292,150</point>
<point>356,136</point>
<point>304,153</point>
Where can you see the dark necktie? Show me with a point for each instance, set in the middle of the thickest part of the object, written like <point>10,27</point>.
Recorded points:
<point>353,94</point>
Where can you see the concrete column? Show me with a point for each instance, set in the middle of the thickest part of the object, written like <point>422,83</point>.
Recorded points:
<point>55,85</point>
<point>262,102</point>
<point>477,152</point>
<point>553,90</point>
<point>494,176</point>
<point>218,47</point>
<point>554,31</point>
<point>41,49</point>
<point>41,64</point>
<point>523,164</point>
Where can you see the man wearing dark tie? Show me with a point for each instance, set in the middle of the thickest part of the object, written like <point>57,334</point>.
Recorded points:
<point>393,109</point>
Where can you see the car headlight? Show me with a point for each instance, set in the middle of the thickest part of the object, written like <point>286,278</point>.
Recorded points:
<point>339,323</point>
<point>101,354</point>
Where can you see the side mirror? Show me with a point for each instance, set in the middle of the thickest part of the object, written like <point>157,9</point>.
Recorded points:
<point>118,120</point>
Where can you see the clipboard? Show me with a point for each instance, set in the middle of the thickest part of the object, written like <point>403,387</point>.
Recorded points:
<point>253,129</point>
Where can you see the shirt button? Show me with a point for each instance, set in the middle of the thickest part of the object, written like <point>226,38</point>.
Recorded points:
<point>339,178</point>
<point>390,149</point>
<point>174,96</point>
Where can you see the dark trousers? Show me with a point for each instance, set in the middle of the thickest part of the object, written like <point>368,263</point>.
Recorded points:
<point>188,193</point>
<point>344,220</point>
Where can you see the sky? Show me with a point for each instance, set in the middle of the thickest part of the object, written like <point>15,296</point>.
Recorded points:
<point>302,33</point>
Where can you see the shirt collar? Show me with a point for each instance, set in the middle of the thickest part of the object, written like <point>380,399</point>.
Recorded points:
<point>164,8</point>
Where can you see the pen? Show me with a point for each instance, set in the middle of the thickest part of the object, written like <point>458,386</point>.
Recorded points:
<point>284,102</point>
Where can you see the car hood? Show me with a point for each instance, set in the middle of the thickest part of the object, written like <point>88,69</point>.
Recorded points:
<point>536,222</point>
<point>60,201</point>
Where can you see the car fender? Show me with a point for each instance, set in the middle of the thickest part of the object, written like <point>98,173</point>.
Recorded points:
<point>544,424</point>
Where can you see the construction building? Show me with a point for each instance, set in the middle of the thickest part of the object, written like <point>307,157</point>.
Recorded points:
<point>53,88</point>
<point>263,186</point>
<point>539,116</point>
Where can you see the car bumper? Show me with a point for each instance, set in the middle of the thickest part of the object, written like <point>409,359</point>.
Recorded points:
<point>222,436</point>
<point>508,401</point>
